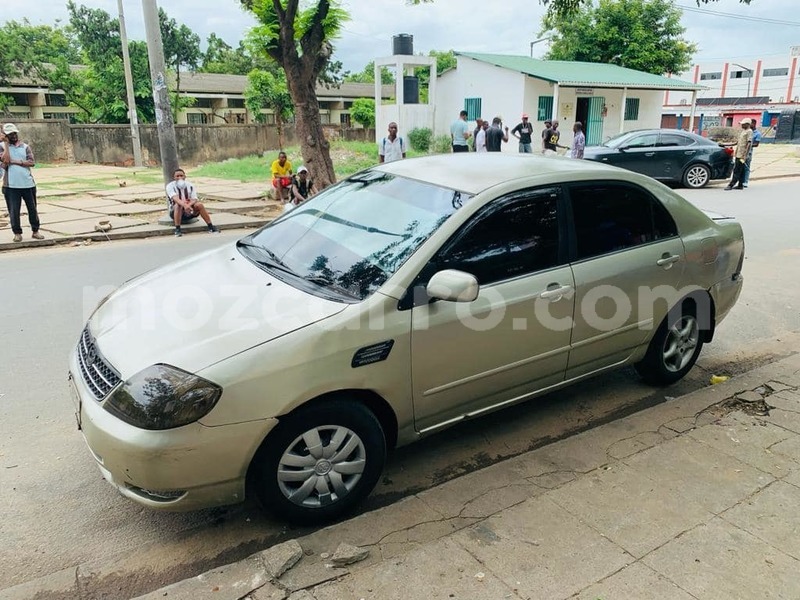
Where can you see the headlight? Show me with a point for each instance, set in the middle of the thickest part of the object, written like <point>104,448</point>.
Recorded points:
<point>163,397</point>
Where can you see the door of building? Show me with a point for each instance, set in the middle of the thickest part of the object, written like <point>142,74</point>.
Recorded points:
<point>594,122</point>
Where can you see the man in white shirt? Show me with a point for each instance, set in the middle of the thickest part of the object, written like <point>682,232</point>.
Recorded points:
<point>392,147</point>
<point>183,203</point>
<point>480,137</point>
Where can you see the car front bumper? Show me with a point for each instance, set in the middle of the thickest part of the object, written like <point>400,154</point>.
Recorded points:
<point>179,469</point>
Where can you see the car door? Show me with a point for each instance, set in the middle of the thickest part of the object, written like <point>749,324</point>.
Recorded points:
<point>628,262</point>
<point>637,154</point>
<point>514,338</point>
<point>672,153</point>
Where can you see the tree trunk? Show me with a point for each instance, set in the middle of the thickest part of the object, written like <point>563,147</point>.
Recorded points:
<point>313,145</point>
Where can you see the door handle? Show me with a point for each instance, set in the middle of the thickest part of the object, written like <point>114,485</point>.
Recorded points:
<point>667,260</point>
<point>649,153</point>
<point>555,293</point>
<point>690,152</point>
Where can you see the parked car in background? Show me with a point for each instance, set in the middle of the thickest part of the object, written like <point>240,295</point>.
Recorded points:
<point>403,300</point>
<point>667,155</point>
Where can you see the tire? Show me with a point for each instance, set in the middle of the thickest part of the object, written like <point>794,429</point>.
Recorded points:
<point>346,459</point>
<point>674,348</point>
<point>696,176</point>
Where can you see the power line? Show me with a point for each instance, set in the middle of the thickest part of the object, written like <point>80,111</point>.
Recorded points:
<point>715,13</point>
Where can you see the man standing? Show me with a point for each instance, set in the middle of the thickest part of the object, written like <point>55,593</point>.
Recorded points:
<point>281,176</point>
<point>523,132</point>
<point>459,133</point>
<point>547,125</point>
<point>480,137</point>
<point>391,147</point>
<point>183,203</point>
<point>743,148</point>
<point>578,141</point>
<point>18,183</point>
<point>756,142</point>
<point>495,136</point>
<point>552,135</point>
<point>478,128</point>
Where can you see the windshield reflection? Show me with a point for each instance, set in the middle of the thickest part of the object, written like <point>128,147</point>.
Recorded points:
<point>352,237</point>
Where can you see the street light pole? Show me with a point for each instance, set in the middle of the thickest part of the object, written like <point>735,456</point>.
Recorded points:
<point>166,127</point>
<point>749,76</point>
<point>133,118</point>
<point>544,39</point>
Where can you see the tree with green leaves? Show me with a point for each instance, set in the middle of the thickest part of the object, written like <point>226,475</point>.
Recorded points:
<point>363,112</point>
<point>220,57</point>
<point>268,89</point>
<point>645,35</point>
<point>299,40</point>
<point>367,75</point>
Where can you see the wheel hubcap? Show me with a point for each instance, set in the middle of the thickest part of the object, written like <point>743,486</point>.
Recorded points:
<point>681,342</point>
<point>321,466</point>
<point>697,176</point>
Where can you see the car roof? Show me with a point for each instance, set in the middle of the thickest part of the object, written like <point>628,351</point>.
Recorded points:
<point>475,172</point>
<point>690,134</point>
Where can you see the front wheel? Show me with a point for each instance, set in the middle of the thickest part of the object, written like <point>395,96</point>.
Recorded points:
<point>697,176</point>
<point>320,461</point>
<point>673,350</point>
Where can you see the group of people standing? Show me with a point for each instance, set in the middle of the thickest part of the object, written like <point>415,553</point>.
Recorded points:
<point>491,137</point>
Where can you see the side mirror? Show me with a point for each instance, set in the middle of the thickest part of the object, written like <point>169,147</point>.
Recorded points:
<point>453,286</point>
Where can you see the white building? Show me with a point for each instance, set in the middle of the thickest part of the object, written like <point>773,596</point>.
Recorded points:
<point>758,88</point>
<point>606,99</point>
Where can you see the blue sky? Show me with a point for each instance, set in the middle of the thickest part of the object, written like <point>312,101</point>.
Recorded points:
<point>502,26</point>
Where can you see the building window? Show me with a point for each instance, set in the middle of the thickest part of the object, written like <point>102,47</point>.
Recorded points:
<point>707,76</point>
<point>235,103</point>
<point>56,100</point>
<point>545,110</point>
<point>202,103</point>
<point>269,118</point>
<point>776,72</point>
<point>19,99</point>
<point>344,119</point>
<point>473,108</point>
<point>196,118</point>
<point>632,109</point>
<point>741,74</point>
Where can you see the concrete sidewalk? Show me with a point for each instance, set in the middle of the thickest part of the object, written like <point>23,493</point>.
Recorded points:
<point>70,206</point>
<point>695,498</point>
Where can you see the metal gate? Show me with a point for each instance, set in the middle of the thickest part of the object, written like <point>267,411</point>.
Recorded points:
<point>594,124</point>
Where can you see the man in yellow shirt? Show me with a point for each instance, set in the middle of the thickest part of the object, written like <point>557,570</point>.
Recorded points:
<point>282,176</point>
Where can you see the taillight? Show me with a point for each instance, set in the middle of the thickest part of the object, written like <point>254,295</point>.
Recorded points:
<point>729,150</point>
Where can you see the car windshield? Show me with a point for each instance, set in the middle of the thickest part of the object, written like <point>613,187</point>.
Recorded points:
<point>348,240</point>
<point>623,139</point>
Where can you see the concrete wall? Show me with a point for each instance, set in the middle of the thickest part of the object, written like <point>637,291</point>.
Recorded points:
<point>58,141</point>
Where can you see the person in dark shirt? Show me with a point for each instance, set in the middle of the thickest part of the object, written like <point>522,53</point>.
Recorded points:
<point>523,132</point>
<point>547,125</point>
<point>495,136</point>
<point>302,187</point>
<point>551,137</point>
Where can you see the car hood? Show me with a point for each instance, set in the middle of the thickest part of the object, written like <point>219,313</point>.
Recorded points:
<point>198,311</point>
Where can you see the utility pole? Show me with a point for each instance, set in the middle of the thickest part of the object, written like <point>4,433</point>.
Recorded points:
<point>166,127</point>
<point>133,118</point>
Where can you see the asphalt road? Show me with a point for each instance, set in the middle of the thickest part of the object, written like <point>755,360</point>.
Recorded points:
<point>58,515</point>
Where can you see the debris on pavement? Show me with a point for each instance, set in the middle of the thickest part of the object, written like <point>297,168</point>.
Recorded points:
<point>347,554</point>
<point>282,557</point>
<point>715,379</point>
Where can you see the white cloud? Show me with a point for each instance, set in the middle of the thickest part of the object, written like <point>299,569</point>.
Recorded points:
<point>505,27</point>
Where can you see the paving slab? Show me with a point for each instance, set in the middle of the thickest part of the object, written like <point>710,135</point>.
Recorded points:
<point>635,582</point>
<point>83,203</point>
<point>87,225</point>
<point>620,503</point>
<point>132,208</point>
<point>236,194</point>
<point>719,561</point>
<point>52,193</point>
<point>235,205</point>
<point>543,550</point>
<point>442,570</point>
<point>61,215</point>
<point>700,473</point>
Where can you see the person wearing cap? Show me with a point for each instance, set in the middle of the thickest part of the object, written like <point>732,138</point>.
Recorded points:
<point>184,204</point>
<point>302,187</point>
<point>743,147</point>
<point>523,132</point>
<point>748,162</point>
<point>18,183</point>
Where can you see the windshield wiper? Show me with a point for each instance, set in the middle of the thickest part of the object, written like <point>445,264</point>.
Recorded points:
<point>274,261</point>
<point>327,282</point>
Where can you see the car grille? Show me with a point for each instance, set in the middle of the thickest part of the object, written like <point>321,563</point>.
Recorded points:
<point>99,376</point>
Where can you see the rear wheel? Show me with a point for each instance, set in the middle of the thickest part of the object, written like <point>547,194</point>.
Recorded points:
<point>674,348</point>
<point>696,176</point>
<point>320,462</point>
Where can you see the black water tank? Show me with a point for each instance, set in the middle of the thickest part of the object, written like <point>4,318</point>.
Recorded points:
<point>410,89</point>
<point>403,43</point>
